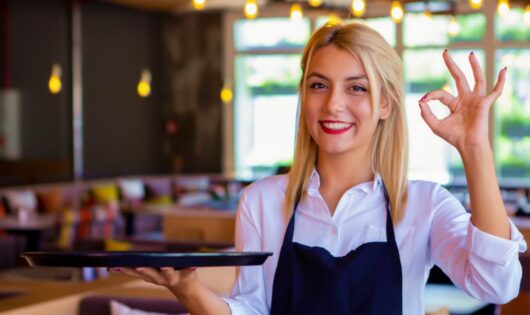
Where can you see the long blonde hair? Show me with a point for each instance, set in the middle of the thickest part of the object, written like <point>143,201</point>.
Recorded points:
<point>389,145</point>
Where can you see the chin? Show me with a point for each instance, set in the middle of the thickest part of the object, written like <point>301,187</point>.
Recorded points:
<point>335,150</point>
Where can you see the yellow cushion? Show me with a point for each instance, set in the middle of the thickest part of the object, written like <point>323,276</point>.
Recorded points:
<point>67,230</point>
<point>105,193</point>
<point>160,200</point>
<point>120,246</point>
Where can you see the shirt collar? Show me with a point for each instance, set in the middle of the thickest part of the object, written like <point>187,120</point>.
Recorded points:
<point>367,187</point>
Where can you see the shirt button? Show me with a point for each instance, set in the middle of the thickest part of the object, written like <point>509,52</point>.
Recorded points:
<point>334,230</point>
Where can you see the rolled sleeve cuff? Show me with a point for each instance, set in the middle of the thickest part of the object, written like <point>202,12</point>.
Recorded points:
<point>236,308</point>
<point>495,249</point>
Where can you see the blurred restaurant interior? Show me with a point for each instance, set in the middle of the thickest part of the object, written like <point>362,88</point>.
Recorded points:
<point>135,124</point>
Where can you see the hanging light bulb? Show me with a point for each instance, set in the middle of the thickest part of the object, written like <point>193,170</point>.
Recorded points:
<point>396,11</point>
<point>427,14</point>
<point>503,7</point>
<point>527,15</point>
<point>251,9</point>
<point>226,94</point>
<point>315,3</point>
<point>453,28</point>
<point>144,86</point>
<point>54,84</point>
<point>333,19</point>
<point>198,4</point>
<point>296,12</point>
<point>475,4</point>
<point>358,7</point>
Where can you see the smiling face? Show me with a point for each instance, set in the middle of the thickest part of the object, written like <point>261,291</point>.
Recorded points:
<point>338,110</point>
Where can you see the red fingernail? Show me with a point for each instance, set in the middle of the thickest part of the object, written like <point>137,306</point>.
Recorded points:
<point>193,268</point>
<point>117,269</point>
<point>140,269</point>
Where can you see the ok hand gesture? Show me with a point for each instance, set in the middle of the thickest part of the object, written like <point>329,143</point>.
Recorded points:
<point>467,124</point>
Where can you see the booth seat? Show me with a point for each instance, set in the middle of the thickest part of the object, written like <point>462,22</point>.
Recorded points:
<point>96,208</point>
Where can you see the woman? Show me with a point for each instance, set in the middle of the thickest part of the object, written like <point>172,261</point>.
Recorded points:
<point>365,237</point>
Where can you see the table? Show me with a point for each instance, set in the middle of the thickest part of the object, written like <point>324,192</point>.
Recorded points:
<point>207,222</point>
<point>31,228</point>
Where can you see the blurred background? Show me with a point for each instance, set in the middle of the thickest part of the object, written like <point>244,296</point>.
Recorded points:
<point>135,124</point>
<point>93,89</point>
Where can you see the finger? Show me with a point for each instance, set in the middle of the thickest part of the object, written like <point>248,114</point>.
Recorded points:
<point>497,89</point>
<point>427,115</point>
<point>152,274</point>
<point>130,272</point>
<point>170,274</point>
<point>457,74</point>
<point>480,80</point>
<point>441,95</point>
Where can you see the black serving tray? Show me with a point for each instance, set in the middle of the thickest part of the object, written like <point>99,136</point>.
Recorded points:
<point>144,259</point>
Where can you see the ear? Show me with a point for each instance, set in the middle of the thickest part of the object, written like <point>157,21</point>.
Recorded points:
<point>385,109</point>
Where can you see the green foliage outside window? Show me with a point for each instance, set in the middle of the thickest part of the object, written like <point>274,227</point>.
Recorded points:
<point>472,28</point>
<point>513,114</point>
<point>512,27</point>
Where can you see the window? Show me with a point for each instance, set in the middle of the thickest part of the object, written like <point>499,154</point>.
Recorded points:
<point>425,38</point>
<point>267,72</point>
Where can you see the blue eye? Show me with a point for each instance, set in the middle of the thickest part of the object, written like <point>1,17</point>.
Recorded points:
<point>358,88</point>
<point>317,85</point>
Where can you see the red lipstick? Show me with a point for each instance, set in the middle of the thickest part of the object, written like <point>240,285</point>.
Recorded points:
<point>334,131</point>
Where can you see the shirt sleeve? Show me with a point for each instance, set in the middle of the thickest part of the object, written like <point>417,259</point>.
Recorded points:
<point>248,296</point>
<point>487,267</point>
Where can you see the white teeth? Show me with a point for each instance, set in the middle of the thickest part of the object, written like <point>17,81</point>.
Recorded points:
<point>336,125</point>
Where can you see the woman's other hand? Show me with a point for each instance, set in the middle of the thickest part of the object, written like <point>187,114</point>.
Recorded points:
<point>467,124</point>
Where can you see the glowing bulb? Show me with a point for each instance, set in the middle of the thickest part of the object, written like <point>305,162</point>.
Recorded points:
<point>144,86</point>
<point>296,12</point>
<point>527,15</point>
<point>503,7</point>
<point>358,7</point>
<point>251,9</point>
<point>198,4</point>
<point>334,19</point>
<point>475,4</point>
<point>315,3</point>
<point>396,11</point>
<point>54,84</point>
<point>226,95</point>
<point>453,28</point>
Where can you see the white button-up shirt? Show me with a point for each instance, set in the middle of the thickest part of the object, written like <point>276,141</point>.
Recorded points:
<point>436,229</point>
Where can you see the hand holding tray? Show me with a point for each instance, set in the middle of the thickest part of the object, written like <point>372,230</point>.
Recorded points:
<point>144,259</point>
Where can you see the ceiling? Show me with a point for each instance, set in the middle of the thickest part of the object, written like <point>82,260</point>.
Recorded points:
<point>179,5</point>
<point>185,5</point>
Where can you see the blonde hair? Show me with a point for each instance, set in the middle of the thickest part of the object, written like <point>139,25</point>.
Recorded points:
<point>389,145</point>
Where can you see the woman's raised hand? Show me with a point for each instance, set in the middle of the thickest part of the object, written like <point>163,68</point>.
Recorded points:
<point>177,281</point>
<point>467,123</point>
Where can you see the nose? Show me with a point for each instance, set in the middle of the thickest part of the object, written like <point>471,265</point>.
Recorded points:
<point>335,102</point>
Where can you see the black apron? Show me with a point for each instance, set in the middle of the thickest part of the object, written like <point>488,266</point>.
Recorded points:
<point>367,281</point>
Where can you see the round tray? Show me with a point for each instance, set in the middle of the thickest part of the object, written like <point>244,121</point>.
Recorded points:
<point>144,259</point>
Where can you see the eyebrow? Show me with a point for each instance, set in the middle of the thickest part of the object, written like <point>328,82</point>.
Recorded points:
<point>356,77</point>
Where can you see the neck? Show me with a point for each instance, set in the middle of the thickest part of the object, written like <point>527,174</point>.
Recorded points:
<point>339,172</point>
